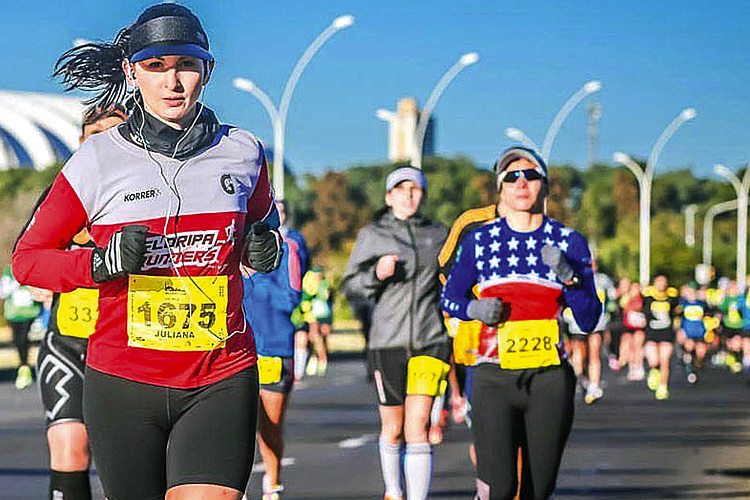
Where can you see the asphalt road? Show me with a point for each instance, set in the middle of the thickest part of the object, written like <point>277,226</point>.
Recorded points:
<point>695,445</point>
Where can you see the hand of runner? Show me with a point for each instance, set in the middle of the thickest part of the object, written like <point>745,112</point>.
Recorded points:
<point>487,311</point>
<point>122,255</point>
<point>386,266</point>
<point>263,248</point>
<point>555,259</point>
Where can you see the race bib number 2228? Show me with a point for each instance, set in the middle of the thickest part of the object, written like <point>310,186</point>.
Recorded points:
<point>528,344</point>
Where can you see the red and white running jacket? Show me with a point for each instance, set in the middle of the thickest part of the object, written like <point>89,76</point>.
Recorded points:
<point>196,211</point>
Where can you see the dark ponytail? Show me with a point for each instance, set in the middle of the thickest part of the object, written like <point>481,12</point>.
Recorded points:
<point>96,67</point>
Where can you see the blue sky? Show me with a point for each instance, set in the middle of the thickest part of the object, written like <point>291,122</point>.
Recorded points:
<point>654,59</point>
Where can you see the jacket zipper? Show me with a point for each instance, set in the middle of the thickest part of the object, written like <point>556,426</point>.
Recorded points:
<point>412,307</point>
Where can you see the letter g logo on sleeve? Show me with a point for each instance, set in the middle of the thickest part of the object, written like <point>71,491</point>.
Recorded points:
<point>227,185</point>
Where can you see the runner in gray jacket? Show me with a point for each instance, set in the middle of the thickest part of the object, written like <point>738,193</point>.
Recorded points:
<point>406,313</point>
<point>394,263</point>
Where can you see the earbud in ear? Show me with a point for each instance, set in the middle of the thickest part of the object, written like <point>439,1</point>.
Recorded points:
<point>130,76</point>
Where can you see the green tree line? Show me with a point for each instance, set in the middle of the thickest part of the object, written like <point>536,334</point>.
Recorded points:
<point>601,202</point>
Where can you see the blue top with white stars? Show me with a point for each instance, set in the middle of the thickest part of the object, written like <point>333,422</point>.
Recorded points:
<point>506,263</point>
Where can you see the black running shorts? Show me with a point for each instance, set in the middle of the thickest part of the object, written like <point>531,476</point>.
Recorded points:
<point>286,380</point>
<point>60,366</point>
<point>666,335</point>
<point>390,370</point>
<point>146,439</point>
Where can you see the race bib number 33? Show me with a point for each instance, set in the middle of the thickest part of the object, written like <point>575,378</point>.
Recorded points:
<point>170,313</point>
<point>528,344</point>
<point>77,312</point>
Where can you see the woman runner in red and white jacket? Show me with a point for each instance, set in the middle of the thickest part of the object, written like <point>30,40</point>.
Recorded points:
<point>174,202</point>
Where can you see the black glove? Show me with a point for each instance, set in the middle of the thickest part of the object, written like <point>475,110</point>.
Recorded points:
<point>556,260</point>
<point>487,311</point>
<point>263,248</point>
<point>122,255</point>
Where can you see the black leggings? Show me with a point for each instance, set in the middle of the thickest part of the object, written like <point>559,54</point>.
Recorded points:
<point>21,338</point>
<point>532,409</point>
<point>146,439</point>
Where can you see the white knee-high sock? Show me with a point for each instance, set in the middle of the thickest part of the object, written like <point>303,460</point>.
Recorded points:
<point>418,470</point>
<point>437,409</point>
<point>300,362</point>
<point>390,464</point>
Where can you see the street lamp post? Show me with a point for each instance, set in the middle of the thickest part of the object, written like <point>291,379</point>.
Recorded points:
<point>690,211</point>
<point>644,189</point>
<point>278,115</point>
<point>741,187</point>
<point>588,89</point>
<point>708,227</point>
<point>645,179</point>
<point>549,138</point>
<point>595,114</point>
<point>464,61</point>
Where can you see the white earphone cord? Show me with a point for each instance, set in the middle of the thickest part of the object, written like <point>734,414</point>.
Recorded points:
<point>173,188</point>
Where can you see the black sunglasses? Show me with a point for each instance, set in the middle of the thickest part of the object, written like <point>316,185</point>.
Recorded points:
<point>530,174</point>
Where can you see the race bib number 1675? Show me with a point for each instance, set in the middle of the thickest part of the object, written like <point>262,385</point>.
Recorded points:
<point>170,313</point>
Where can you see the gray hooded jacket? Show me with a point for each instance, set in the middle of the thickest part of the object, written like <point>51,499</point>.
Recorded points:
<point>407,308</point>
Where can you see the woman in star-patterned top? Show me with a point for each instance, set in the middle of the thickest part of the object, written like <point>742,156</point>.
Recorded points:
<point>526,267</point>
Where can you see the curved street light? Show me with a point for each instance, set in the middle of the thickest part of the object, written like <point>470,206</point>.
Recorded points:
<point>645,179</point>
<point>708,227</point>
<point>515,134</point>
<point>572,102</point>
<point>247,86</point>
<point>464,61</point>
<point>278,115</point>
<point>741,187</point>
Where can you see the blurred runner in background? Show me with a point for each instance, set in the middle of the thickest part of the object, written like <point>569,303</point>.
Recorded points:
<point>317,312</point>
<point>20,310</point>
<point>661,305</point>
<point>268,302</point>
<point>62,358</point>
<point>394,262</point>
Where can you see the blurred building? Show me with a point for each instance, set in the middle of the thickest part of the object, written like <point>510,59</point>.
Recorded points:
<point>37,130</point>
<point>402,126</point>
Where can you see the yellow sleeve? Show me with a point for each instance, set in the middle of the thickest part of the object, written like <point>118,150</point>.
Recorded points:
<point>450,246</point>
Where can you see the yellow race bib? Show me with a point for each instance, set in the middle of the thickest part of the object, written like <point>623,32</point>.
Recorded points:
<point>426,376</point>
<point>269,369</point>
<point>170,313</point>
<point>693,313</point>
<point>77,312</point>
<point>528,344</point>
<point>465,336</point>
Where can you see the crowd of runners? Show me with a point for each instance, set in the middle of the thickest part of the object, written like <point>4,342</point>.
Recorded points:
<point>695,325</point>
<point>178,297</point>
